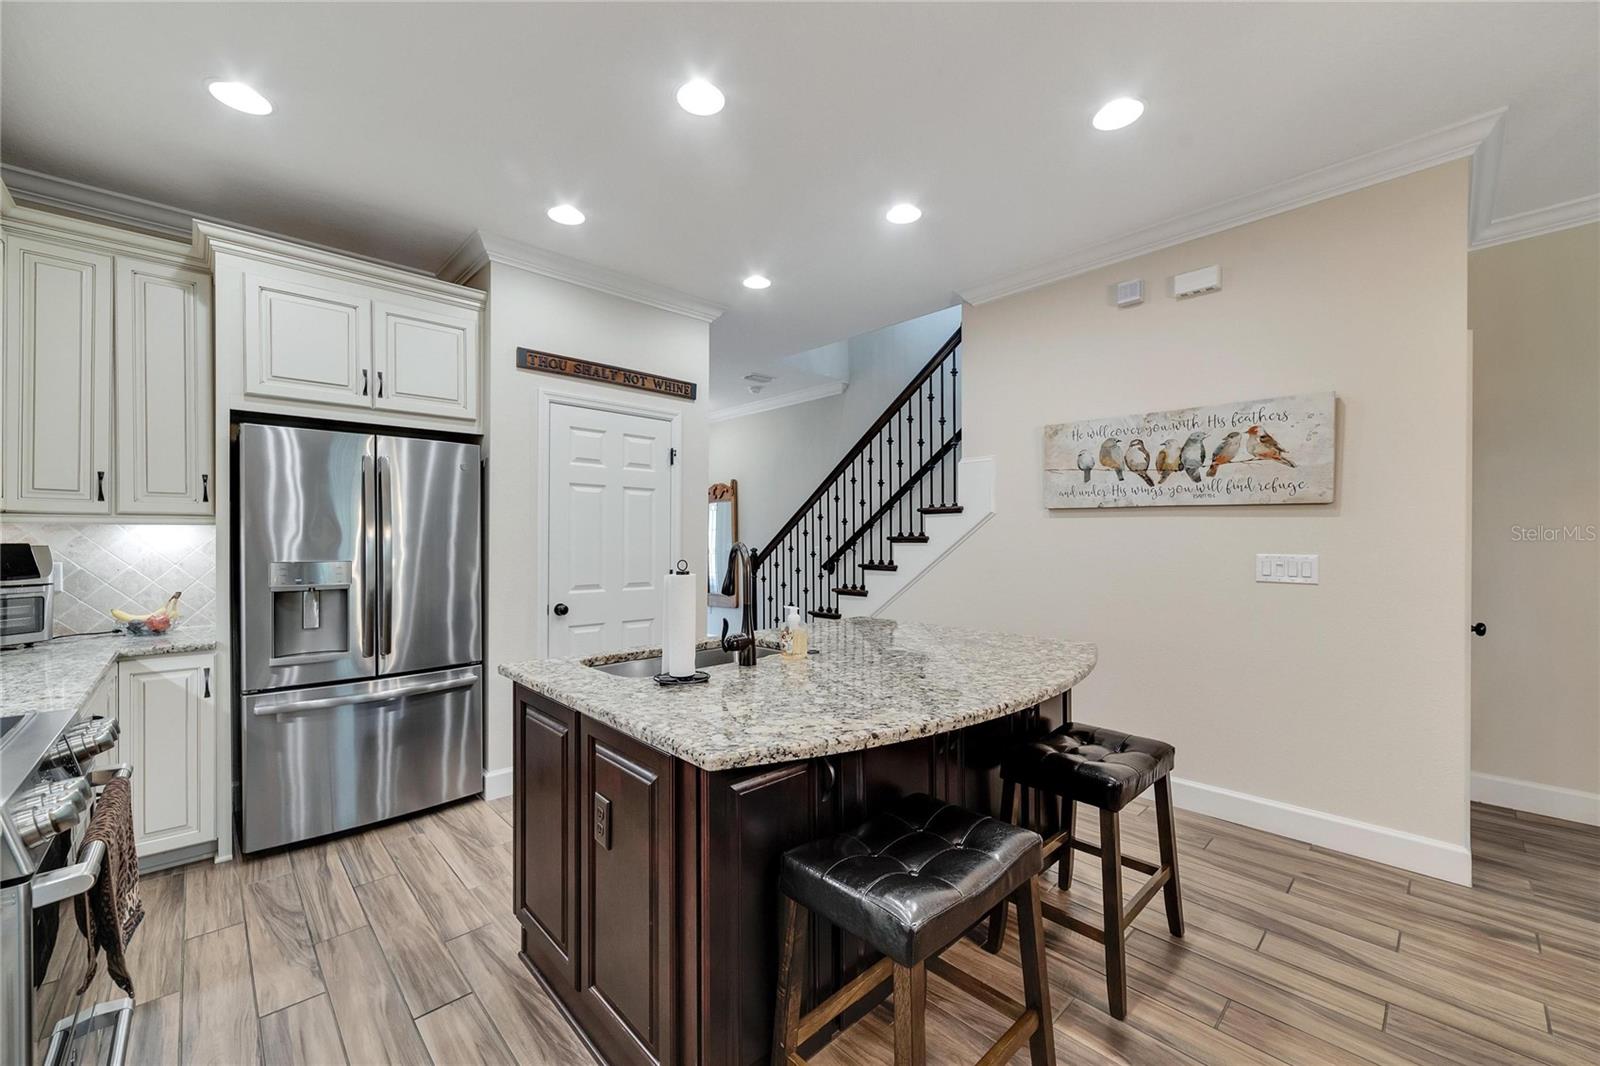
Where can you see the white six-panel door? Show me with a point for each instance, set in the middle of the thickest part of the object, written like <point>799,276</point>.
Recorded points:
<point>609,529</point>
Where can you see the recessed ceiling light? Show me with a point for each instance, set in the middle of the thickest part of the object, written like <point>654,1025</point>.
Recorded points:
<point>1123,111</point>
<point>903,214</point>
<point>700,97</point>
<point>240,97</point>
<point>758,281</point>
<point>565,214</point>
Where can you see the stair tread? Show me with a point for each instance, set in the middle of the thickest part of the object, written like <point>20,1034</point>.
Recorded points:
<point>884,567</point>
<point>826,614</point>
<point>849,590</point>
<point>909,538</point>
<point>950,509</point>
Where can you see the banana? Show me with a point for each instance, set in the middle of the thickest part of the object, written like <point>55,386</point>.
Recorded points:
<point>157,621</point>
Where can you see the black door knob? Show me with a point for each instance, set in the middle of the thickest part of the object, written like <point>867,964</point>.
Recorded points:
<point>1479,629</point>
<point>559,609</point>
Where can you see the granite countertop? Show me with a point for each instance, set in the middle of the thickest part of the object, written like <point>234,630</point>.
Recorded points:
<point>873,682</point>
<point>60,674</point>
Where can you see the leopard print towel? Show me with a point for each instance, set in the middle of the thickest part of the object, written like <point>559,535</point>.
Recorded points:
<point>110,911</point>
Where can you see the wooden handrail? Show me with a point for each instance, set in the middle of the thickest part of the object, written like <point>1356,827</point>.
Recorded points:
<point>889,413</point>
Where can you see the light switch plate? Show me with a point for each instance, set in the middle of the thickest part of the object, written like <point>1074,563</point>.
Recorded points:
<point>1288,569</point>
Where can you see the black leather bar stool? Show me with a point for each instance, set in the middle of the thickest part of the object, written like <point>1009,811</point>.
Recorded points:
<point>1105,769</point>
<point>909,882</point>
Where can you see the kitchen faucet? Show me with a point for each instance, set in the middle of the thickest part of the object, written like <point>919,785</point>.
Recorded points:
<point>741,579</point>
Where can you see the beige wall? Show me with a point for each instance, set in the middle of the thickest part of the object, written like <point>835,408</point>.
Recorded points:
<point>1348,698</point>
<point>1534,307</point>
<point>534,311</point>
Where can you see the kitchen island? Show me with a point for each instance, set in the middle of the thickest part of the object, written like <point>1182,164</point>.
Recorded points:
<point>650,819</point>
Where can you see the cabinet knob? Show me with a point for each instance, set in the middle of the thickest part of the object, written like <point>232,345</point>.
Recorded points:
<point>559,610</point>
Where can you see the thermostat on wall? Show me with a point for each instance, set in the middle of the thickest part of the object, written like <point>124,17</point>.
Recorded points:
<point>1195,282</point>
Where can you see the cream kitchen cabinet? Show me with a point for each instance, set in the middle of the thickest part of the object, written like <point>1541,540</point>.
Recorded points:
<point>303,331</point>
<point>305,339</point>
<point>107,372</point>
<point>166,707</point>
<point>57,377</point>
<point>163,359</point>
<point>426,360</point>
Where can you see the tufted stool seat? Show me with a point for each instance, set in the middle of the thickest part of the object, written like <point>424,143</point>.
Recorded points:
<point>1106,769</point>
<point>908,882</point>
<point>1089,764</point>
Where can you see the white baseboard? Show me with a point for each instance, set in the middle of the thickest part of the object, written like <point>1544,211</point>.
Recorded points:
<point>496,783</point>
<point>1392,847</point>
<point>1552,801</point>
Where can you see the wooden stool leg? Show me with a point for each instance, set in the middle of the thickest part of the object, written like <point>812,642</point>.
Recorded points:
<point>1111,887</point>
<point>997,917</point>
<point>910,1000</point>
<point>1064,867</point>
<point>1035,980</point>
<point>1167,837</point>
<point>792,923</point>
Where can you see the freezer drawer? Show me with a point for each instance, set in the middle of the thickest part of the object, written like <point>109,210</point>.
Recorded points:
<point>317,761</point>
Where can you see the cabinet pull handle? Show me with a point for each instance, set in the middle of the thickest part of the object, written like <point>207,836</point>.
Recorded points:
<point>380,384</point>
<point>207,693</point>
<point>100,486</point>
<point>205,488</point>
<point>363,383</point>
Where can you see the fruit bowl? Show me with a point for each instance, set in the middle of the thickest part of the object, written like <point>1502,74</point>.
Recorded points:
<point>153,624</point>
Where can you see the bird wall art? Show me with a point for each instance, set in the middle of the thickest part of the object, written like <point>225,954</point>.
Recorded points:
<point>1260,451</point>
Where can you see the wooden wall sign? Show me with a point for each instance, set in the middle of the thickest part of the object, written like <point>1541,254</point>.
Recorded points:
<point>1259,451</point>
<point>529,359</point>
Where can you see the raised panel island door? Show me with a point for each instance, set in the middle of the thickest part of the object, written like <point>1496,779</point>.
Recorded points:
<point>426,361</point>
<point>610,529</point>
<point>627,901</point>
<point>164,444</point>
<point>306,341</point>
<point>57,379</point>
<point>546,886</point>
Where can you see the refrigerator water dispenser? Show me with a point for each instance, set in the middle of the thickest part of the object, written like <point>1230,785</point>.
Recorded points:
<point>310,609</point>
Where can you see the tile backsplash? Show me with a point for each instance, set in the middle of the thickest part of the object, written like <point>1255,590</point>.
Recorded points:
<point>131,567</point>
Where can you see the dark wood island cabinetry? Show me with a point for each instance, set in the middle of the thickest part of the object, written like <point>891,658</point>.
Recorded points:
<point>646,885</point>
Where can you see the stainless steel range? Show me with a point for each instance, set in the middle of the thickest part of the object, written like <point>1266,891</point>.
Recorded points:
<point>359,628</point>
<point>47,785</point>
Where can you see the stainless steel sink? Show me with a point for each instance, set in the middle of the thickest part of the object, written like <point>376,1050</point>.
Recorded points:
<point>652,666</point>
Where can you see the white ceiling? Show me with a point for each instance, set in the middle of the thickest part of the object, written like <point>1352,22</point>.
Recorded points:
<point>401,129</point>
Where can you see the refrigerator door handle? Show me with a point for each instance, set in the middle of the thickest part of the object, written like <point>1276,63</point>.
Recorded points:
<point>365,561</point>
<point>386,552</point>
<point>322,703</point>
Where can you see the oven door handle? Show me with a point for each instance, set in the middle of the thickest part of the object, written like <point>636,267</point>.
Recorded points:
<point>324,702</point>
<point>53,887</point>
<point>106,774</point>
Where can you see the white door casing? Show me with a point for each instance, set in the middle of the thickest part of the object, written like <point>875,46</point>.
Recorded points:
<point>608,528</point>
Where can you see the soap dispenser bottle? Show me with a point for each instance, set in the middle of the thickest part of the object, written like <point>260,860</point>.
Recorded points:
<point>793,639</point>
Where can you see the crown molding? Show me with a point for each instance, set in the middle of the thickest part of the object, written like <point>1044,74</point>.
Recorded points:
<point>211,238</point>
<point>1525,224</point>
<point>482,248</point>
<point>1458,141</point>
<point>782,399</point>
<point>45,190</point>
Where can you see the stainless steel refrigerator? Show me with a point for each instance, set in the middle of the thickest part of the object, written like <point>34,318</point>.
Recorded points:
<point>359,628</point>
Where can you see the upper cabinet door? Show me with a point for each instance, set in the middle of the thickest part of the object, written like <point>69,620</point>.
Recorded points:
<point>426,360</point>
<point>57,374</point>
<point>164,446</point>
<point>305,340</point>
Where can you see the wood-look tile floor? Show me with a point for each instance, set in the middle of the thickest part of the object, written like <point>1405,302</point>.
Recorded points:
<point>398,945</point>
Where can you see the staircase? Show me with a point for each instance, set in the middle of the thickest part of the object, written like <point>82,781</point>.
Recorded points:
<point>900,476</point>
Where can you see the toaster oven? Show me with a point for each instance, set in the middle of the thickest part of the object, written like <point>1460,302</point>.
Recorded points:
<point>27,594</point>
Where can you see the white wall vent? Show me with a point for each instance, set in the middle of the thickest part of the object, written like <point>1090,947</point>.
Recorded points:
<point>1195,282</point>
<point>1130,292</point>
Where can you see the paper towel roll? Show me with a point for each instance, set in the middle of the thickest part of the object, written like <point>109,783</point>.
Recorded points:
<point>682,626</point>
